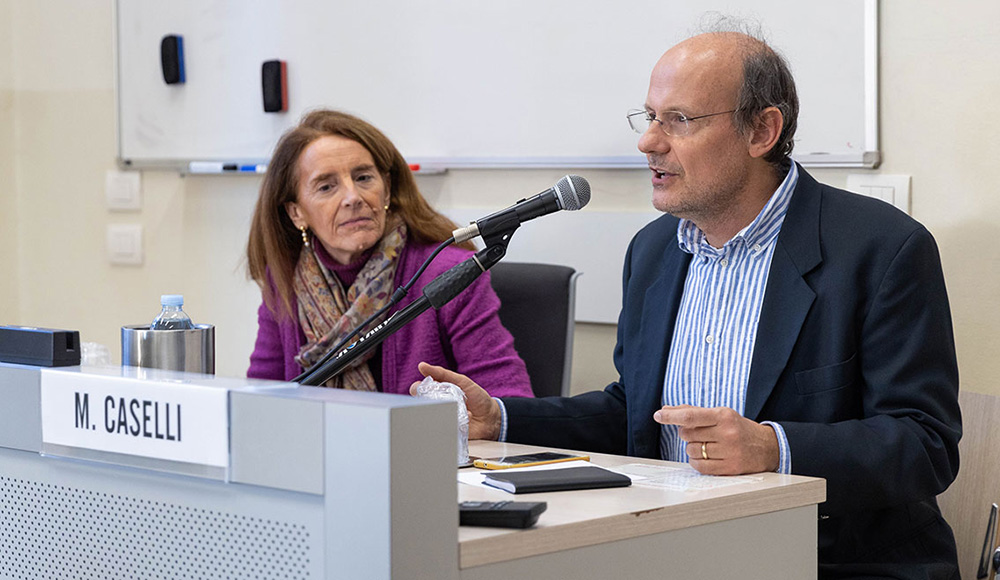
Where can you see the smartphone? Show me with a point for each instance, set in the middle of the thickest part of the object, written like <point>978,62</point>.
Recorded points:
<point>526,460</point>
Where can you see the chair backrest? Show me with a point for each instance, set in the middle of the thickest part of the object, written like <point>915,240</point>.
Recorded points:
<point>966,503</point>
<point>537,306</point>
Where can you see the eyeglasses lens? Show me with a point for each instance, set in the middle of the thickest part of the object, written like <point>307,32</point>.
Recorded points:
<point>639,121</point>
<point>671,123</point>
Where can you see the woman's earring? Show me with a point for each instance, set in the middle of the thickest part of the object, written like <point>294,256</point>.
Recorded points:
<point>386,208</point>
<point>305,236</point>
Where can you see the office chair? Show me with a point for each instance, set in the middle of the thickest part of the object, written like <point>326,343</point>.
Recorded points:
<point>537,306</point>
<point>967,502</point>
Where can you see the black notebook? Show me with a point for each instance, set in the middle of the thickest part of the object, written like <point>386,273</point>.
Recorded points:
<point>586,477</point>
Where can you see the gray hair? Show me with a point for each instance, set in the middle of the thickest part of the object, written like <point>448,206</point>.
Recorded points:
<point>767,82</point>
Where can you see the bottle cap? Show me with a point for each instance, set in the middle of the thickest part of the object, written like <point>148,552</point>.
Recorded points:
<point>172,300</point>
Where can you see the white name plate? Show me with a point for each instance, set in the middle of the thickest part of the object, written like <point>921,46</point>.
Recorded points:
<point>159,419</point>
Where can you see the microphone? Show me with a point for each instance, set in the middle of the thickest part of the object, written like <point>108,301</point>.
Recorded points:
<point>571,193</point>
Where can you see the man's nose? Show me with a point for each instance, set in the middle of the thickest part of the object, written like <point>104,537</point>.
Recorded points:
<point>654,140</point>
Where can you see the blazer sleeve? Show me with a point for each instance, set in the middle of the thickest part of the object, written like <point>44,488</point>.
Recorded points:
<point>904,445</point>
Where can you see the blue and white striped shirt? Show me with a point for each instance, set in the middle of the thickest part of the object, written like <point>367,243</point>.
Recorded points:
<point>716,326</point>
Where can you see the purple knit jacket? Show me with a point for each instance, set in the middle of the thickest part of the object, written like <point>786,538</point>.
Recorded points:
<point>465,335</point>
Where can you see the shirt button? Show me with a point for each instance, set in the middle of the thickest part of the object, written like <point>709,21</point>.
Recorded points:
<point>756,248</point>
<point>724,262</point>
<point>709,339</point>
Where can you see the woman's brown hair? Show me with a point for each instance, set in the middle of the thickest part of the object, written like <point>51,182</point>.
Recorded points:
<point>274,244</point>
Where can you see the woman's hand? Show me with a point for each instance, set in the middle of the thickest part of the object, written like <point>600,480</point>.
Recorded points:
<point>484,412</point>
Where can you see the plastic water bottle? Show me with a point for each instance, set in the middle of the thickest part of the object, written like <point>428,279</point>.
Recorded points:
<point>432,389</point>
<point>171,317</point>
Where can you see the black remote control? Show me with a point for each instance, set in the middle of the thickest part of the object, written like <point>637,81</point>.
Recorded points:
<point>500,514</point>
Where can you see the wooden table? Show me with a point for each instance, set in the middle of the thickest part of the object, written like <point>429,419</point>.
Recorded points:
<point>760,529</point>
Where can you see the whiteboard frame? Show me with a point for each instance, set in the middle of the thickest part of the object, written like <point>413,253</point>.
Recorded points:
<point>870,158</point>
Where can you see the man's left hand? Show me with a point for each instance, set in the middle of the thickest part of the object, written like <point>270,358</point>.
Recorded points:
<point>732,443</point>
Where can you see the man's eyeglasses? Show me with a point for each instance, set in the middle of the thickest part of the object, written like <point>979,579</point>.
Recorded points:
<point>672,122</point>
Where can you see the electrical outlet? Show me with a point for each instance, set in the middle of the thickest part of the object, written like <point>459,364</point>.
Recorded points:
<point>122,190</point>
<point>125,244</point>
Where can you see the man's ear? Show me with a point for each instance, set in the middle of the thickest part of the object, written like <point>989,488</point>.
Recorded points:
<point>766,131</point>
<point>292,209</point>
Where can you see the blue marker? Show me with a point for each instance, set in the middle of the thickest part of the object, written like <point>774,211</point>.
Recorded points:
<point>220,167</point>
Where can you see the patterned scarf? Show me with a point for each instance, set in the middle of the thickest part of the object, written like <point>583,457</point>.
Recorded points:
<point>327,313</point>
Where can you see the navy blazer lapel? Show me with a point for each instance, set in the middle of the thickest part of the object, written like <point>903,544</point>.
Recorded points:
<point>657,331</point>
<point>788,297</point>
<point>647,367</point>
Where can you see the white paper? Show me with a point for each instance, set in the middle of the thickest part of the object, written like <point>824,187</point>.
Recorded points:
<point>681,478</point>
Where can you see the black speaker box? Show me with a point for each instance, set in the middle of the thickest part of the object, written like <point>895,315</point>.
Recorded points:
<point>46,347</point>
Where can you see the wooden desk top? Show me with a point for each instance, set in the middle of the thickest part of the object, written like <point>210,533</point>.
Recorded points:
<point>587,517</point>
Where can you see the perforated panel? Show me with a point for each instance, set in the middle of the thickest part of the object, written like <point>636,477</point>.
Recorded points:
<point>53,532</point>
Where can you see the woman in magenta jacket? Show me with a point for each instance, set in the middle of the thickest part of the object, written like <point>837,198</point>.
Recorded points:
<point>339,225</point>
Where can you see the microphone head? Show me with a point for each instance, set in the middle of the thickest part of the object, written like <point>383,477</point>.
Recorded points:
<point>573,192</point>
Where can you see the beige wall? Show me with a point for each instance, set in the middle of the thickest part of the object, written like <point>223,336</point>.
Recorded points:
<point>8,192</point>
<point>57,140</point>
<point>942,60</point>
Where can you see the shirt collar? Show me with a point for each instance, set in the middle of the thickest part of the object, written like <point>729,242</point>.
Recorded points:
<point>760,232</point>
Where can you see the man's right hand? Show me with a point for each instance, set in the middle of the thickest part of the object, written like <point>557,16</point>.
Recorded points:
<point>484,412</point>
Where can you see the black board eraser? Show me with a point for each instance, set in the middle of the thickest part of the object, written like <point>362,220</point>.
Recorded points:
<point>45,347</point>
<point>172,59</point>
<point>273,76</point>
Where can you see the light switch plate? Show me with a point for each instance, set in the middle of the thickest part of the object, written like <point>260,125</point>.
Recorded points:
<point>893,189</point>
<point>125,244</point>
<point>123,190</point>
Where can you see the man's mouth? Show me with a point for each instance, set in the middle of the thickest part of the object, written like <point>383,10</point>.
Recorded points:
<point>660,173</point>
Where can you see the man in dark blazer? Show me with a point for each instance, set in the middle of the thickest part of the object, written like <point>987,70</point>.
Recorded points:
<point>852,374</point>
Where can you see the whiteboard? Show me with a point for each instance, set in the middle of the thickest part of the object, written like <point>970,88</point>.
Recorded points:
<point>467,83</point>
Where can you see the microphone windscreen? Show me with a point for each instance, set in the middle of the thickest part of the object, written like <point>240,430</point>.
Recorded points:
<point>573,192</point>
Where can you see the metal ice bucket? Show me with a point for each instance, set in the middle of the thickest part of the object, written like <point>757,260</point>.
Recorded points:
<point>190,350</point>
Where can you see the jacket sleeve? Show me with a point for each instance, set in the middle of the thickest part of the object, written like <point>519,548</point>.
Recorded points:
<point>904,445</point>
<point>267,359</point>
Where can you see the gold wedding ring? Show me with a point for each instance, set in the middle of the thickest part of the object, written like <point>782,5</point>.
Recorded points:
<point>704,451</point>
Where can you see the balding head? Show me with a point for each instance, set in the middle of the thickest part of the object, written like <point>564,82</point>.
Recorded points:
<point>748,73</point>
<point>716,47</point>
<point>710,65</point>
